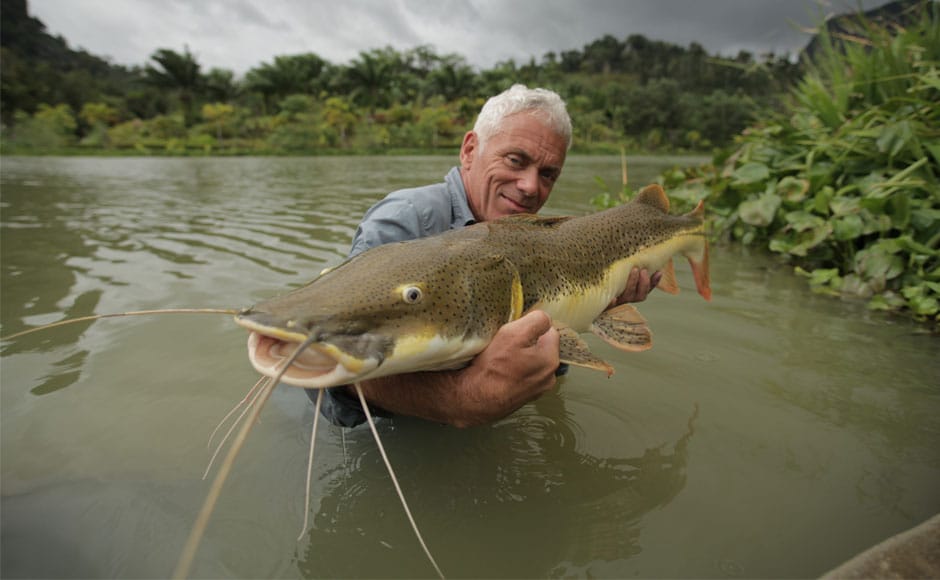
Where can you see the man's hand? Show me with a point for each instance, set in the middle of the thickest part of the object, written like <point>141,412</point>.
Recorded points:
<point>516,367</point>
<point>639,285</point>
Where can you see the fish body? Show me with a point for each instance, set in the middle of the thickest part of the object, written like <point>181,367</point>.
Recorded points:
<point>436,302</point>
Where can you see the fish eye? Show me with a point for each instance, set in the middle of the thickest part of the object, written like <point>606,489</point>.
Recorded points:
<point>412,294</point>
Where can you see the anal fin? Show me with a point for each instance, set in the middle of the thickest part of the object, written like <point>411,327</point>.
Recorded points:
<point>624,328</point>
<point>668,283</point>
<point>574,351</point>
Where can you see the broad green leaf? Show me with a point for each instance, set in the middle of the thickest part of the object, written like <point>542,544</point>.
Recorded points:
<point>924,219</point>
<point>886,301</point>
<point>900,204</point>
<point>820,174</point>
<point>809,239</point>
<point>821,200</point>
<point>874,263</point>
<point>801,220</point>
<point>873,185</point>
<point>844,205</point>
<point>780,245</point>
<point>847,227</point>
<point>749,174</point>
<point>792,189</point>
<point>760,211</point>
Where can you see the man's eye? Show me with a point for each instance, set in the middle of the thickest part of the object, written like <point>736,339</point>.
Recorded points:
<point>514,160</point>
<point>551,176</point>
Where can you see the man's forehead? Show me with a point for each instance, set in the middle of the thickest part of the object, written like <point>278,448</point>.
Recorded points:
<point>535,142</point>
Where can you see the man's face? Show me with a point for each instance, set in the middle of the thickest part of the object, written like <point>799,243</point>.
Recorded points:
<point>516,169</point>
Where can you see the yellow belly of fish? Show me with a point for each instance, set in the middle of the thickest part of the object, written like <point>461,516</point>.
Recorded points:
<point>579,310</point>
<point>429,352</point>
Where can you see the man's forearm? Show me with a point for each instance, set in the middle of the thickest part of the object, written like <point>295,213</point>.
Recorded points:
<point>434,396</point>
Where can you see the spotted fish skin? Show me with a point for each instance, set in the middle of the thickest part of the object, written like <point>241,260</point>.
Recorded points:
<point>434,303</point>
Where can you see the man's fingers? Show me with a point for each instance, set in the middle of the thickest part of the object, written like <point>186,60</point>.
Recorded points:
<point>655,278</point>
<point>632,279</point>
<point>533,325</point>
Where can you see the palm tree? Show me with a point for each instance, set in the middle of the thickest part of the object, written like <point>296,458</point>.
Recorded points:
<point>453,79</point>
<point>220,85</point>
<point>288,75</point>
<point>372,77</point>
<point>177,72</point>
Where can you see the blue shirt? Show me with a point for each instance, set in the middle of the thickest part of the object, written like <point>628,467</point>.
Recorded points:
<point>406,214</point>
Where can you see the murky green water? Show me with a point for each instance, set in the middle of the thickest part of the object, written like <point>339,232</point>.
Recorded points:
<point>769,433</point>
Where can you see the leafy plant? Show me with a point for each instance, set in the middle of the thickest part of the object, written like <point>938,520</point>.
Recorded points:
<point>845,183</point>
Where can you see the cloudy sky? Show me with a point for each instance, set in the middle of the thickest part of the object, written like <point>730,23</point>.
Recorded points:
<point>241,34</point>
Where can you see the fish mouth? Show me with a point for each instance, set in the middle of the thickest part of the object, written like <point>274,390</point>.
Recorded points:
<point>310,369</point>
<point>319,366</point>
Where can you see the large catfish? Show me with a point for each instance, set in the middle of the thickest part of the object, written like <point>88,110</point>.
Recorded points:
<point>434,303</point>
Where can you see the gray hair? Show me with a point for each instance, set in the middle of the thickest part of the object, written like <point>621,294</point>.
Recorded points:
<point>543,103</point>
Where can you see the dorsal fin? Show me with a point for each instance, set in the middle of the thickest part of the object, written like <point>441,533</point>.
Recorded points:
<point>533,219</point>
<point>653,195</point>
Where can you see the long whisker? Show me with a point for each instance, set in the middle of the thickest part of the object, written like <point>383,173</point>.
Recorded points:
<point>313,440</point>
<point>119,314</point>
<point>232,412</point>
<point>391,472</point>
<point>202,520</point>
<point>235,424</point>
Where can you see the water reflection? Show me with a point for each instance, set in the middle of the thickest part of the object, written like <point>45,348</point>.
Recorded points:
<point>555,507</point>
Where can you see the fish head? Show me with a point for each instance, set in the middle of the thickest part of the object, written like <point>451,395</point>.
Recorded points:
<point>403,307</point>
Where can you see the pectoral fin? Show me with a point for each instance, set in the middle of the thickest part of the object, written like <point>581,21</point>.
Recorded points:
<point>574,351</point>
<point>623,327</point>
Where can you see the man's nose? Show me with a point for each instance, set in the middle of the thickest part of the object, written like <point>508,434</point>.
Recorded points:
<point>528,182</point>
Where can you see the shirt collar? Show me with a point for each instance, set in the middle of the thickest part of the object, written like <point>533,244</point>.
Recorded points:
<point>461,214</point>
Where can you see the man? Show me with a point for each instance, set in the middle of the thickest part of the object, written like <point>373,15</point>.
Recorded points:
<point>509,163</point>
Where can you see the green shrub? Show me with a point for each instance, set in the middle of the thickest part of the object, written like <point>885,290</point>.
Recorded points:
<point>846,183</point>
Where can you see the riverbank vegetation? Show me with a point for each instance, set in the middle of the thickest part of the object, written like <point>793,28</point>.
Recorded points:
<point>650,95</point>
<point>844,181</point>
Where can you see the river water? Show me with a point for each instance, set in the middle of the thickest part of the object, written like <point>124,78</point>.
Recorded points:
<point>768,433</point>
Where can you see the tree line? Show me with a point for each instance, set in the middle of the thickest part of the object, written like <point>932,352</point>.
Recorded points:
<point>642,93</point>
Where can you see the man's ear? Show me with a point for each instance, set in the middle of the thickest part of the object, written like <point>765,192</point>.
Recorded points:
<point>468,149</point>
